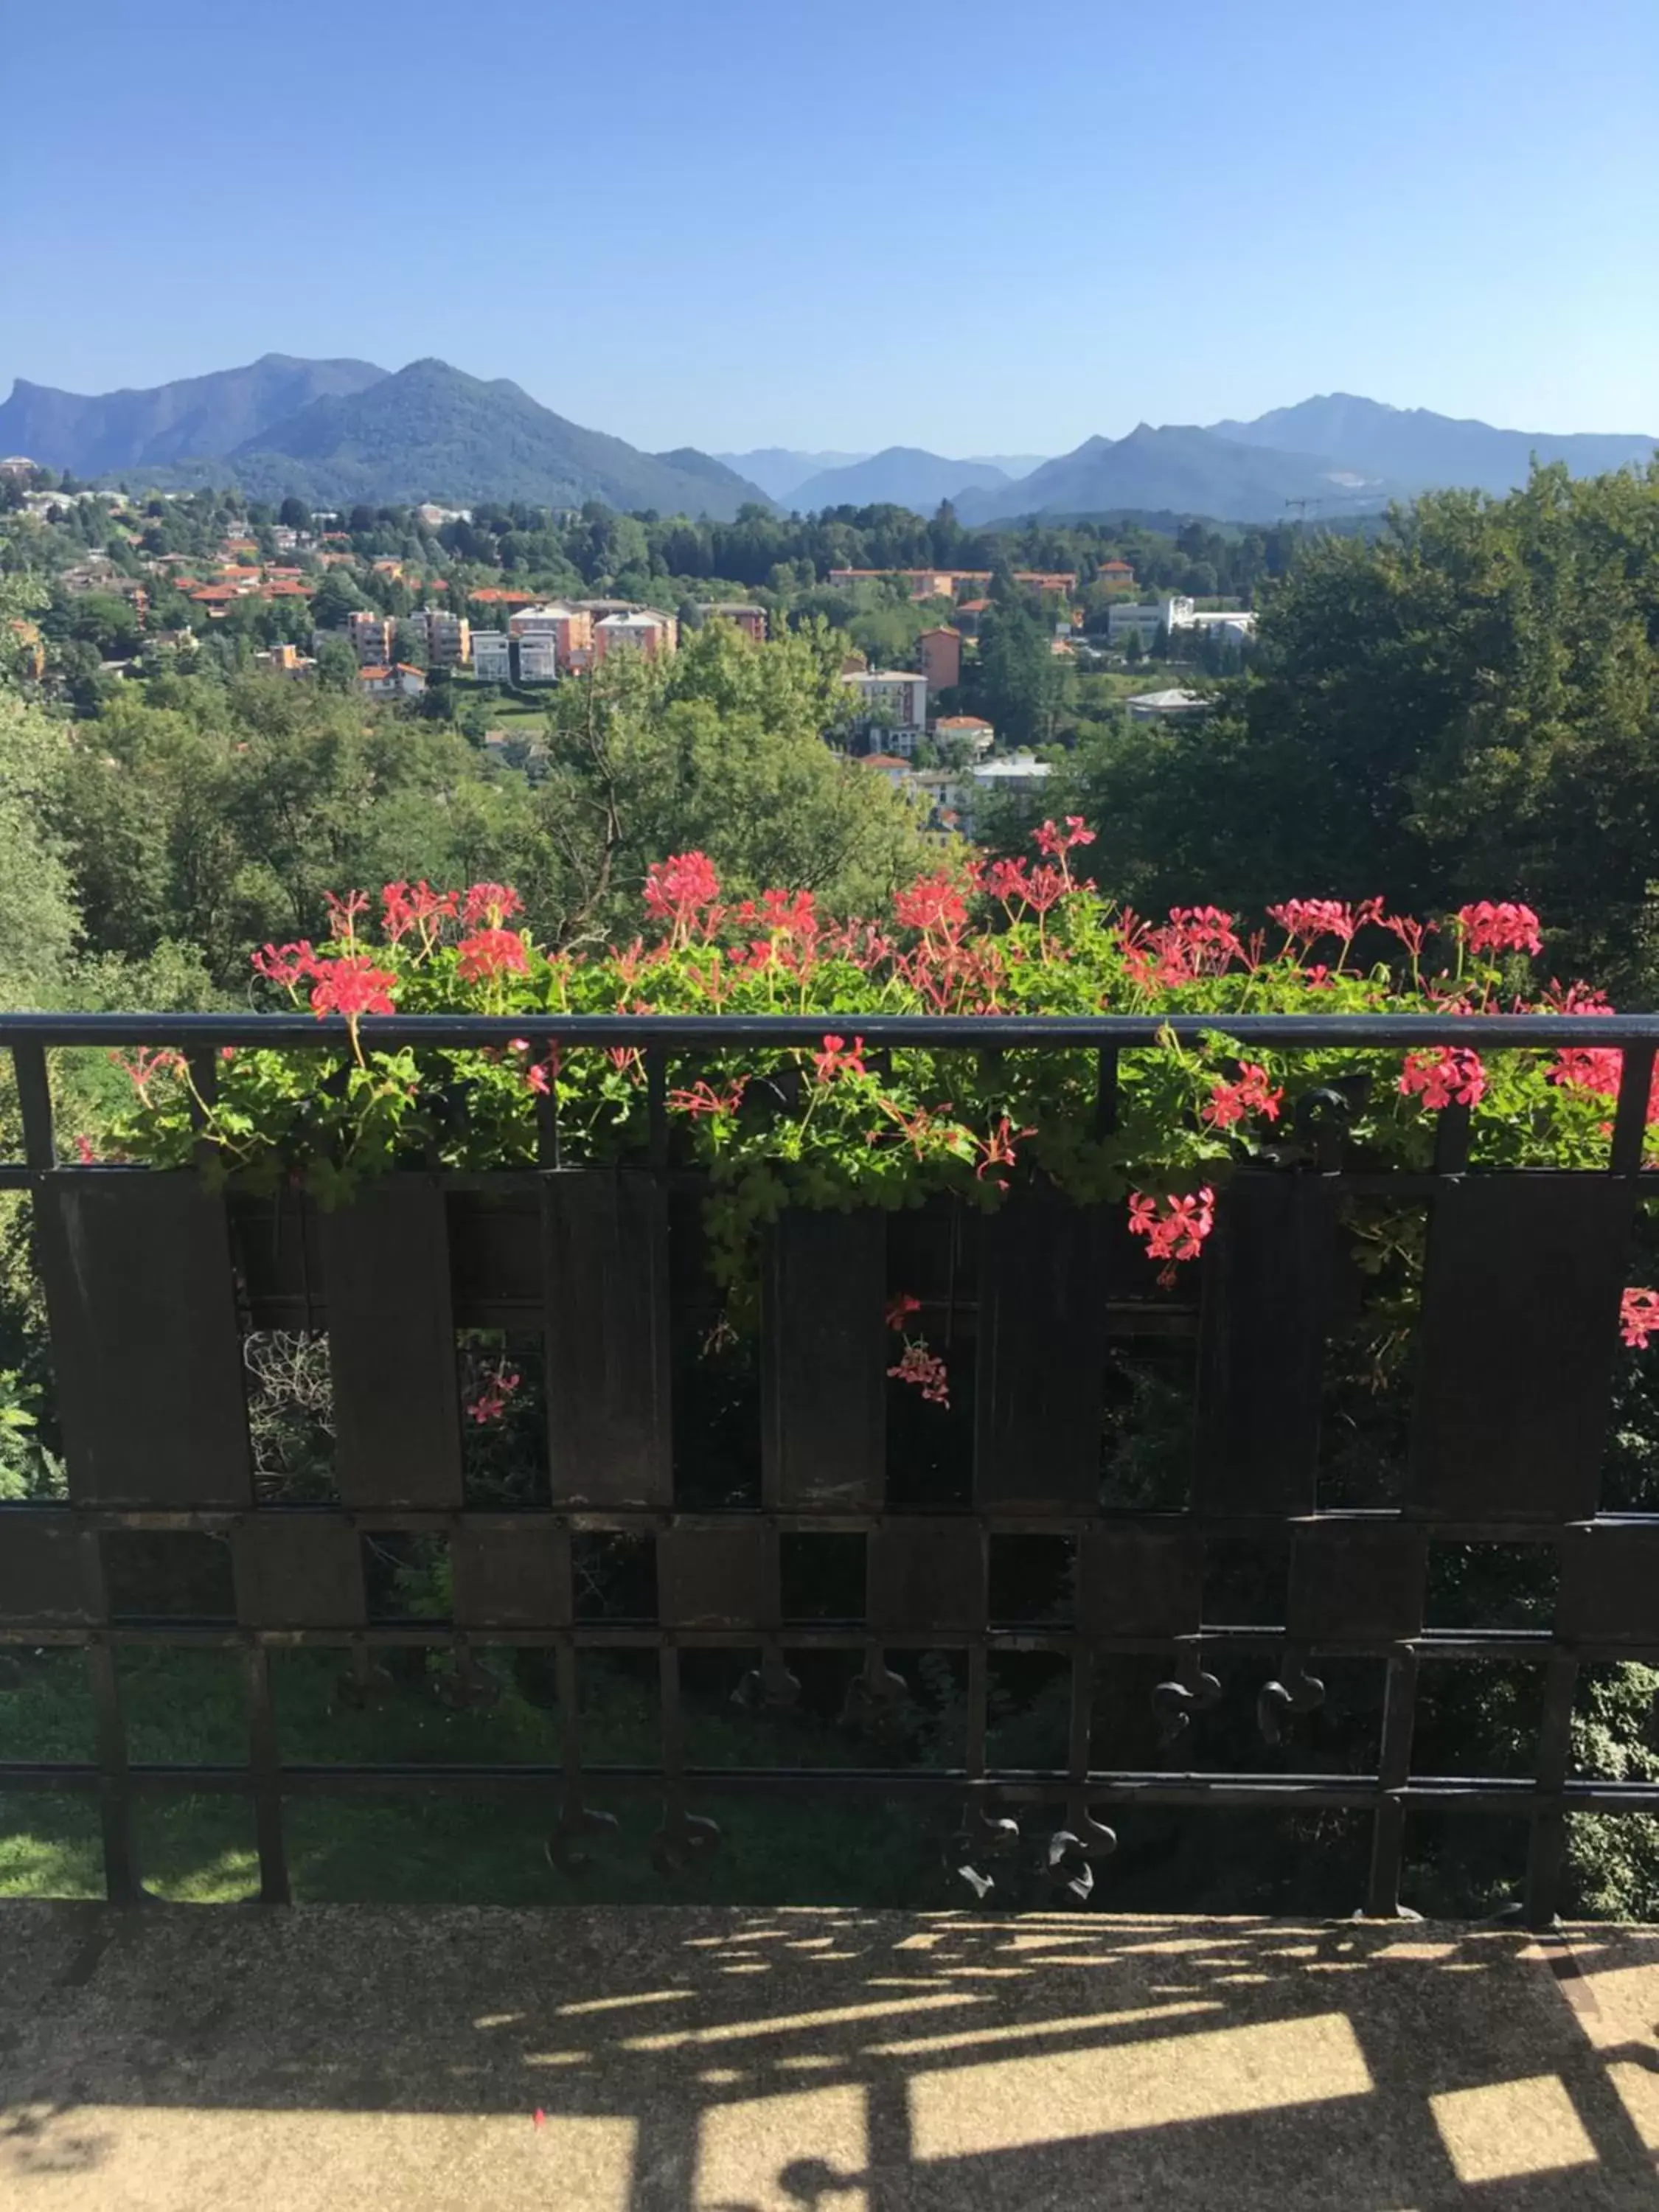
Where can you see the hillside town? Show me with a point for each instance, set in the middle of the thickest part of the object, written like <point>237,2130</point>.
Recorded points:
<point>296,594</point>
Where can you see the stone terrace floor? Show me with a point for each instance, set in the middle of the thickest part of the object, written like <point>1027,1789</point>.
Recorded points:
<point>690,2060</point>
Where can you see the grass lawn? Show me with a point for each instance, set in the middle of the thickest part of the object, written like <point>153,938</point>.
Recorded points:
<point>423,1846</point>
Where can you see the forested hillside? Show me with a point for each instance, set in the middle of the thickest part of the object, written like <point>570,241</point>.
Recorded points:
<point>1470,701</point>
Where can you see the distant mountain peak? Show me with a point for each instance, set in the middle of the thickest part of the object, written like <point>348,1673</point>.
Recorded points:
<point>432,431</point>
<point>898,475</point>
<point>1417,450</point>
<point>106,433</point>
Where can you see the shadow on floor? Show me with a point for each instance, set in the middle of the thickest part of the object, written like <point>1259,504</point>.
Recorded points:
<point>699,2060</point>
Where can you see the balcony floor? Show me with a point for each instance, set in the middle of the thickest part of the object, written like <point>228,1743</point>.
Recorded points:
<point>691,2060</point>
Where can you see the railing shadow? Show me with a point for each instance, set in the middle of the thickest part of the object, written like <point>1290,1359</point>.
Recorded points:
<point>705,2060</point>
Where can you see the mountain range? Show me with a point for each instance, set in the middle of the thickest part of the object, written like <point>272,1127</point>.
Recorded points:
<point>198,416</point>
<point>336,432</point>
<point>345,431</point>
<point>810,482</point>
<point>1186,469</point>
<point>1415,451</point>
<point>1331,456</point>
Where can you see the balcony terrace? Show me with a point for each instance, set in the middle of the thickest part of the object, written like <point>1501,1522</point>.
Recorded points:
<point>738,1640</point>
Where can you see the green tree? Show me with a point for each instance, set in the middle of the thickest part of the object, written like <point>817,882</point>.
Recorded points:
<point>1466,707</point>
<point>719,749</point>
<point>107,623</point>
<point>219,816</point>
<point>336,663</point>
<point>1015,682</point>
<point>335,598</point>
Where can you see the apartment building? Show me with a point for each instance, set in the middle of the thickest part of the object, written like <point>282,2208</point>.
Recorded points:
<point>539,660</point>
<point>945,583</point>
<point>941,657</point>
<point>570,630</point>
<point>373,638</point>
<point>651,635</point>
<point>1174,615</point>
<point>892,703</point>
<point>751,620</point>
<point>448,637</point>
<point>492,656</point>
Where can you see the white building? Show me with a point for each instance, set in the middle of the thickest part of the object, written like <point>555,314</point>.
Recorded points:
<point>1121,617</point>
<point>1165,706</point>
<point>892,702</point>
<point>1017,774</point>
<point>891,767</point>
<point>1175,615</point>
<point>972,731</point>
<point>492,656</point>
<point>1180,614</point>
<point>399,681</point>
<point>539,660</point>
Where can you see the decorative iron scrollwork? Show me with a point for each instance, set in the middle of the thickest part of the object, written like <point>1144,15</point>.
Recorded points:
<point>366,1685</point>
<point>1174,1704</point>
<point>466,1687</point>
<point>874,1697</point>
<point>1323,1117</point>
<point>577,1819</point>
<point>682,1838</point>
<point>768,1688</point>
<point>981,1836</point>
<point>1072,1853</point>
<point>1296,1691</point>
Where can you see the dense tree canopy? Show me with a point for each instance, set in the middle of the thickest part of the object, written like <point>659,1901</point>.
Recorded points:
<point>1468,705</point>
<point>217,813</point>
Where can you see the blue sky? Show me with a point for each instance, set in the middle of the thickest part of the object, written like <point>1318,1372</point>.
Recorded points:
<point>976,228</point>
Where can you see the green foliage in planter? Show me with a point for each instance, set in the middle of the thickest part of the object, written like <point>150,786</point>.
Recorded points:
<point>836,1125</point>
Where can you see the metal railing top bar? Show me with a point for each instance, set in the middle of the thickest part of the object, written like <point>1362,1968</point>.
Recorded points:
<point>1542,1032</point>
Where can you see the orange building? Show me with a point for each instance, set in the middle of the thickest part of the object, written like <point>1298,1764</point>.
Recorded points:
<point>751,620</point>
<point>944,583</point>
<point>30,647</point>
<point>568,630</point>
<point>941,657</point>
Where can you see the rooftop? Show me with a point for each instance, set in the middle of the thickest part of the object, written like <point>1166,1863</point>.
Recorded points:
<point>1016,764</point>
<point>1174,700</point>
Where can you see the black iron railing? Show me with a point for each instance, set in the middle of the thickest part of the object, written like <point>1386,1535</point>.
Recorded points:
<point>151,1283</point>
